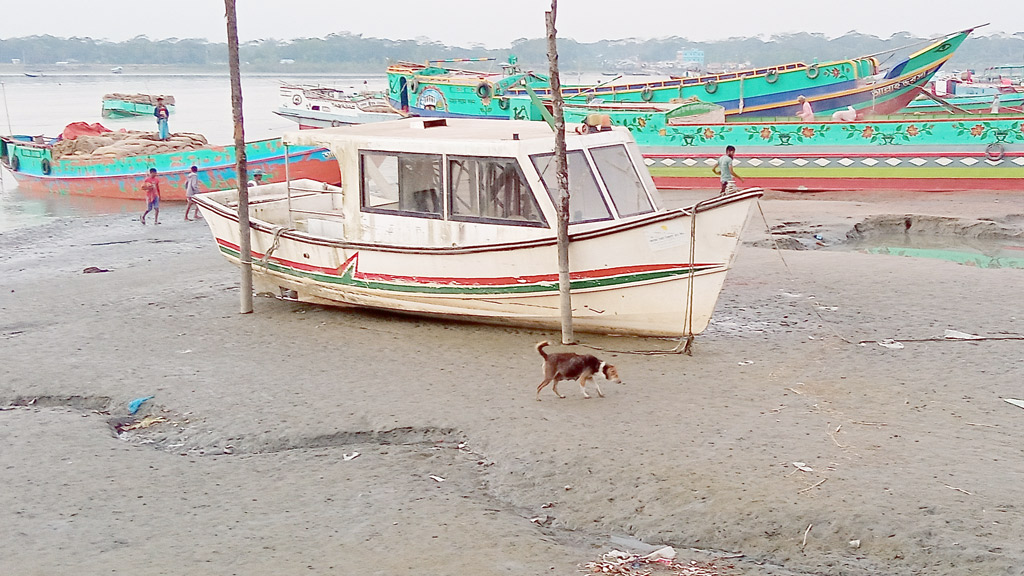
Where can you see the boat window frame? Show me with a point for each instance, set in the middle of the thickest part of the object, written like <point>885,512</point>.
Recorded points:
<point>452,216</point>
<point>598,185</point>
<point>651,204</point>
<point>364,205</point>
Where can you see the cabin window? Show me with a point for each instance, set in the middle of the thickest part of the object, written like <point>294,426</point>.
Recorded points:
<point>585,201</point>
<point>491,190</point>
<point>401,183</point>
<point>620,178</point>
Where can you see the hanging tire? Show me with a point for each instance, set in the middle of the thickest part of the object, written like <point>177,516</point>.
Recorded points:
<point>15,162</point>
<point>711,86</point>
<point>646,94</point>
<point>45,166</point>
<point>296,99</point>
<point>483,90</point>
<point>414,85</point>
<point>812,71</point>
<point>772,76</point>
<point>503,103</point>
<point>995,152</point>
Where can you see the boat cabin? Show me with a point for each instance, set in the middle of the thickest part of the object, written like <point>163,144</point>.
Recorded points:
<point>460,182</point>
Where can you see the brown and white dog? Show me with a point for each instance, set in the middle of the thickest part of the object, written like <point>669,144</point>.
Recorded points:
<point>571,366</point>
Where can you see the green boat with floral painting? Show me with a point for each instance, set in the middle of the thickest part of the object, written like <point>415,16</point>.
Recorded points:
<point>929,152</point>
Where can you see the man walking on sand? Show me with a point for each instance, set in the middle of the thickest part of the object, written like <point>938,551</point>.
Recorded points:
<point>724,168</point>
<point>152,187</point>
<point>191,189</point>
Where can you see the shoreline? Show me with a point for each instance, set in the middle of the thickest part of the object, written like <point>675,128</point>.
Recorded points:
<point>910,451</point>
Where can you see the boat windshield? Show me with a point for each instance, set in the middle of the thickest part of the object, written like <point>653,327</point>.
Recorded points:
<point>401,183</point>
<point>586,204</point>
<point>491,190</point>
<point>624,185</point>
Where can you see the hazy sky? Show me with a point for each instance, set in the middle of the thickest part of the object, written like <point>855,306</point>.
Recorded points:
<point>496,23</point>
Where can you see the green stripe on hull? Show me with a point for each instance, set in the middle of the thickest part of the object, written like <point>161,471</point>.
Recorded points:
<point>348,279</point>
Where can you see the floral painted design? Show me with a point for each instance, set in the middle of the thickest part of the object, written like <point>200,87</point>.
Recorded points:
<point>986,130</point>
<point>698,135</point>
<point>888,134</point>
<point>786,137</point>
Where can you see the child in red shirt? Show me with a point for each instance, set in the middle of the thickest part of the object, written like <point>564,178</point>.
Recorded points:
<point>152,187</point>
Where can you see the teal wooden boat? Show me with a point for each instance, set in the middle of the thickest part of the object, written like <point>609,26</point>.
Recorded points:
<point>36,168</point>
<point>127,105</point>
<point>435,90</point>
<point>928,152</point>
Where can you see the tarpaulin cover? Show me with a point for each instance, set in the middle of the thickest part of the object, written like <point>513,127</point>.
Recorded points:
<point>76,129</point>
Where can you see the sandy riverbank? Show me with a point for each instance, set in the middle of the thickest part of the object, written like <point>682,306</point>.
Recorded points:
<point>911,451</point>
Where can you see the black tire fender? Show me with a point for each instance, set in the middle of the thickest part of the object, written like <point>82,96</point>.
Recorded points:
<point>995,152</point>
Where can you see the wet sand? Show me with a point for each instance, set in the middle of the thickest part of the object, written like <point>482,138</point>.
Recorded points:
<point>911,451</point>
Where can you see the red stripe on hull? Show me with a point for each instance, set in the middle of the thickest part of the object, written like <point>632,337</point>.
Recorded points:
<point>481,281</point>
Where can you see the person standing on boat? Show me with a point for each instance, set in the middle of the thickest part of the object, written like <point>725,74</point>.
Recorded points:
<point>151,185</point>
<point>725,170</point>
<point>806,113</point>
<point>161,113</point>
<point>191,189</point>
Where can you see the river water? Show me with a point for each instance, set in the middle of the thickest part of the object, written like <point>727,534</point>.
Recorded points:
<point>44,105</point>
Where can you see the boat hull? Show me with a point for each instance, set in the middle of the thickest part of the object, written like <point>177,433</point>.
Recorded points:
<point>308,119</point>
<point>635,277</point>
<point>911,153</point>
<point>763,92</point>
<point>124,109</point>
<point>122,177</point>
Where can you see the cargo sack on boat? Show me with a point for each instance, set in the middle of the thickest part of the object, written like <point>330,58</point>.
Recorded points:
<point>140,98</point>
<point>123,144</point>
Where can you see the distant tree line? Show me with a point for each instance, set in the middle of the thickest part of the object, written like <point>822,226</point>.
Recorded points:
<point>352,53</point>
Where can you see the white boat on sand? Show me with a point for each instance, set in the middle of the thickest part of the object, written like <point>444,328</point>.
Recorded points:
<point>456,219</point>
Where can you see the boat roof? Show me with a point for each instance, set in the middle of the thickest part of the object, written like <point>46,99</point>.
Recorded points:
<point>451,135</point>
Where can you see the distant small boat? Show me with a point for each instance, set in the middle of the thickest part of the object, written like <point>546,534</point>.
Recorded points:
<point>33,74</point>
<point>326,107</point>
<point>117,69</point>
<point>126,105</point>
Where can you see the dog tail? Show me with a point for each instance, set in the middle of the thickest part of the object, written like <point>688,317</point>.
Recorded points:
<point>540,348</point>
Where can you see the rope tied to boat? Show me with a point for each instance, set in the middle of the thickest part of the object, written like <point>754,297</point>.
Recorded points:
<point>273,246</point>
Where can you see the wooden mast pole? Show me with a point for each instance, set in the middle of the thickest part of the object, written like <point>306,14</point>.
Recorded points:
<point>562,176</point>
<point>244,240</point>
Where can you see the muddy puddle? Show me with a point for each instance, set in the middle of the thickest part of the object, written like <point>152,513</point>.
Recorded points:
<point>978,253</point>
<point>984,243</point>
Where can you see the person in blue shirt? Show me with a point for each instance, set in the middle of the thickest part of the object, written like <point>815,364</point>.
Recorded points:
<point>161,113</point>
